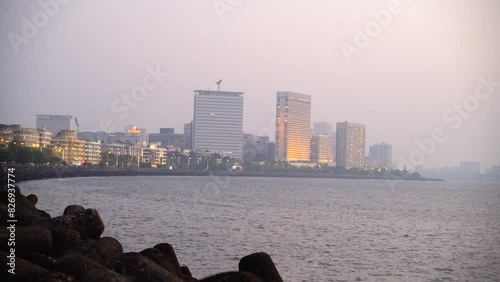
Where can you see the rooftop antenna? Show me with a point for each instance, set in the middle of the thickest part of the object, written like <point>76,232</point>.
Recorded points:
<point>218,85</point>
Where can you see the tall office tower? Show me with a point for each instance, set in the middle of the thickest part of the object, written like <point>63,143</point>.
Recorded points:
<point>218,122</point>
<point>321,149</point>
<point>381,154</point>
<point>323,128</point>
<point>293,123</point>
<point>350,147</point>
<point>54,123</point>
<point>188,135</point>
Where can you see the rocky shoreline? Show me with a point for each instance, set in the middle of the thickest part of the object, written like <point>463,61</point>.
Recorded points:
<point>70,248</point>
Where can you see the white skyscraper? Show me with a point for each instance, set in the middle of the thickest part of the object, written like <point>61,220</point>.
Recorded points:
<point>54,123</point>
<point>218,122</point>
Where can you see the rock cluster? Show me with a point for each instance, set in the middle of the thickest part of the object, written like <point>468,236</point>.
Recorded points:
<point>70,248</point>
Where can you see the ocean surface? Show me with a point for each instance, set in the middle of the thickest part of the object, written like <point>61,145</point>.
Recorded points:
<point>314,229</point>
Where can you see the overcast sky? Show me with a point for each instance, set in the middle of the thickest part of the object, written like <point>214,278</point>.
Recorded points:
<point>421,62</point>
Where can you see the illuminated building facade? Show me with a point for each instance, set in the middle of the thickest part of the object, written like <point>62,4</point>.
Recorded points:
<point>92,152</point>
<point>68,147</point>
<point>31,137</point>
<point>350,145</point>
<point>154,155</point>
<point>5,135</point>
<point>293,121</point>
<point>321,149</point>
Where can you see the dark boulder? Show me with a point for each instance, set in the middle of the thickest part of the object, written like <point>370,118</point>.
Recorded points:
<point>261,265</point>
<point>85,269</point>
<point>185,271</point>
<point>87,223</point>
<point>4,214</point>
<point>27,271</point>
<point>26,213</point>
<point>73,209</point>
<point>232,276</point>
<point>33,199</point>
<point>137,267</point>
<point>163,260</point>
<point>168,250</point>
<point>104,248</point>
<point>34,239</point>
<point>187,276</point>
<point>41,260</point>
<point>64,239</point>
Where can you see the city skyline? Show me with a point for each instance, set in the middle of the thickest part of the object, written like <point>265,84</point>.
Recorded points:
<point>412,78</point>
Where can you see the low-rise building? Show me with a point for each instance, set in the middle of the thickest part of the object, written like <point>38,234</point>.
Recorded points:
<point>154,155</point>
<point>31,137</point>
<point>257,148</point>
<point>68,147</point>
<point>92,152</point>
<point>5,135</point>
<point>116,148</point>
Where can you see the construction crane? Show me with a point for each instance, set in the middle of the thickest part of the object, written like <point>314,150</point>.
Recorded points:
<point>77,126</point>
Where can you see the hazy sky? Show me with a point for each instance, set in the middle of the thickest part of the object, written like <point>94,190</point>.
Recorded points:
<point>422,62</point>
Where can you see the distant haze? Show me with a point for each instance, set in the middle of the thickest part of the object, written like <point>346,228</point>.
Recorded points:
<point>427,58</point>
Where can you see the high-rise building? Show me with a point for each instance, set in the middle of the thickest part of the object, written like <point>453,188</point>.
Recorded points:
<point>324,127</point>
<point>381,155</point>
<point>188,135</point>
<point>218,122</point>
<point>54,123</point>
<point>321,149</point>
<point>293,122</point>
<point>350,145</point>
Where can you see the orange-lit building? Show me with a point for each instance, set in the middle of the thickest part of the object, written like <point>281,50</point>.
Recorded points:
<point>321,149</point>
<point>293,123</point>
